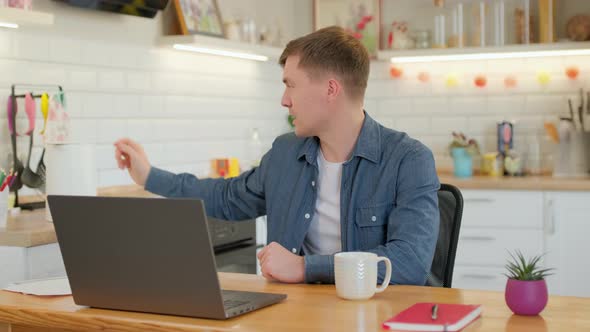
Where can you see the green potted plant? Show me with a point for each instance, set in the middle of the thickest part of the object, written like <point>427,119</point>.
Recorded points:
<point>526,289</point>
<point>462,150</point>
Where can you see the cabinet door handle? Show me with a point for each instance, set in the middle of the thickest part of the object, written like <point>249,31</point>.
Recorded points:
<point>478,276</point>
<point>550,217</point>
<point>479,200</point>
<point>477,238</point>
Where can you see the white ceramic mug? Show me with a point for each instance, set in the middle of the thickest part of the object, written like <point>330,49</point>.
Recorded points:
<point>356,274</point>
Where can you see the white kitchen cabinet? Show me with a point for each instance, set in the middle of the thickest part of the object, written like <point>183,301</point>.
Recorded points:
<point>18,263</point>
<point>494,223</point>
<point>556,224</point>
<point>567,242</point>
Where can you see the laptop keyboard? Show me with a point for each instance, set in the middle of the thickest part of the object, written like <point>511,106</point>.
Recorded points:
<point>230,304</point>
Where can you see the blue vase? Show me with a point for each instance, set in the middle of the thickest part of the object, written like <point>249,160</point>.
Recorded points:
<point>462,163</point>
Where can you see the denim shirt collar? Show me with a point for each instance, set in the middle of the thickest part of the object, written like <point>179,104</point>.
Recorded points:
<point>368,144</point>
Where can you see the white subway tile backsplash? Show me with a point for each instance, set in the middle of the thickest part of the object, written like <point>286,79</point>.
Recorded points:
<point>513,104</point>
<point>6,41</point>
<point>435,106</point>
<point>105,157</point>
<point>385,88</point>
<point>468,105</point>
<point>66,51</point>
<point>478,125</point>
<point>186,109</point>
<point>97,53</point>
<point>111,80</point>
<point>47,75</point>
<point>127,56</point>
<point>108,131</point>
<point>31,47</point>
<point>99,105</point>
<point>142,130</point>
<point>126,106</point>
<point>152,106</point>
<point>529,124</point>
<point>448,124</point>
<point>155,152</point>
<point>84,131</point>
<point>414,125</point>
<point>138,81</point>
<point>393,107</point>
<point>545,104</point>
<point>75,104</point>
<point>82,79</point>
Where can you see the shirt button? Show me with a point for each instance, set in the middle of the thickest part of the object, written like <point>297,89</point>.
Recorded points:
<point>307,216</point>
<point>313,183</point>
<point>294,250</point>
<point>373,218</point>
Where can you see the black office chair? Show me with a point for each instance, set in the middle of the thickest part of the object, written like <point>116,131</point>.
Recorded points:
<point>450,205</point>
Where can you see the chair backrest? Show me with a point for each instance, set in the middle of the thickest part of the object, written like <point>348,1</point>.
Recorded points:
<point>450,205</point>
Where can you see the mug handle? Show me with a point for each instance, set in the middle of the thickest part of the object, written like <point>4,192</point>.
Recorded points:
<point>387,274</point>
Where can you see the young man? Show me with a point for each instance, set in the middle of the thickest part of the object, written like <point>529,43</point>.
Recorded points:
<point>341,182</point>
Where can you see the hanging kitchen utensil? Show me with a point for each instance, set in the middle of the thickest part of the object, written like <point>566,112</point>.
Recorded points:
<point>41,168</point>
<point>552,132</point>
<point>29,177</point>
<point>44,110</point>
<point>11,110</point>
<point>572,116</point>
<point>58,121</point>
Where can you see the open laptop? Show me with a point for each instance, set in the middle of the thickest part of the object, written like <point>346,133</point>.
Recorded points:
<point>145,254</point>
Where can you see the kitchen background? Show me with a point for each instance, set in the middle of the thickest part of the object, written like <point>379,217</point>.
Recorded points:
<point>188,108</point>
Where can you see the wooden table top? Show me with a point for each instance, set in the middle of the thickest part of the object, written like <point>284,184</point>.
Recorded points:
<point>307,308</point>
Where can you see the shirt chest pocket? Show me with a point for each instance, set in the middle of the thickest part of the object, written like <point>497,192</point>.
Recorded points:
<point>371,225</point>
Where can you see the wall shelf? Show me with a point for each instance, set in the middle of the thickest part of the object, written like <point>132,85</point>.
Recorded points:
<point>221,46</point>
<point>486,53</point>
<point>25,18</point>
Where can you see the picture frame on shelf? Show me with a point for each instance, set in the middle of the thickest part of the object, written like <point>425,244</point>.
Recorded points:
<point>362,18</point>
<point>199,17</point>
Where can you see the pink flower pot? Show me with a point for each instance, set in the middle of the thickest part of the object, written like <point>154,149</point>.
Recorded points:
<point>527,298</point>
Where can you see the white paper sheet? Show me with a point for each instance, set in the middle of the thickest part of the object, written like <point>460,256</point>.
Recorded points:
<point>42,287</point>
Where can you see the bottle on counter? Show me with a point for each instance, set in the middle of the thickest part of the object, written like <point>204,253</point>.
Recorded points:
<point>255,149</point>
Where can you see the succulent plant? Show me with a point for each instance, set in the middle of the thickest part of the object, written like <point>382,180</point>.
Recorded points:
<point>526,270</point>
<point>461,141</point>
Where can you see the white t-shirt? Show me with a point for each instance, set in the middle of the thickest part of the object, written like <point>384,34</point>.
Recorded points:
<point>323,236</point>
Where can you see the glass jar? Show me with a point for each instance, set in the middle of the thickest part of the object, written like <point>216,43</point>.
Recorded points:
<point>422,38</point>
<point>440,36</point>
<point>547,33</point>
<point>499,23</point>
<point>457,38</point>
<point>478,23</point>
<point>523,23</point>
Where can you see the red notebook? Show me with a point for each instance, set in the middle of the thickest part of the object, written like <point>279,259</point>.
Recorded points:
<point>450,317</point>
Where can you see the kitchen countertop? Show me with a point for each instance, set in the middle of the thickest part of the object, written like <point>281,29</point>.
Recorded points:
<point>30,229</point>
<point>545,183</point>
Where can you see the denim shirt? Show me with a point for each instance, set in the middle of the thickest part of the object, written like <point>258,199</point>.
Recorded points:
<point>388,199</point>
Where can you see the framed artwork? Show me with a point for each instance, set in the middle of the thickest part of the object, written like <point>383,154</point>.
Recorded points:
<point>199,17</point>
<point>360,17</point>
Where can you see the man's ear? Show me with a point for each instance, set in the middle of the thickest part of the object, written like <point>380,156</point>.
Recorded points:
<point>334,89</point>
